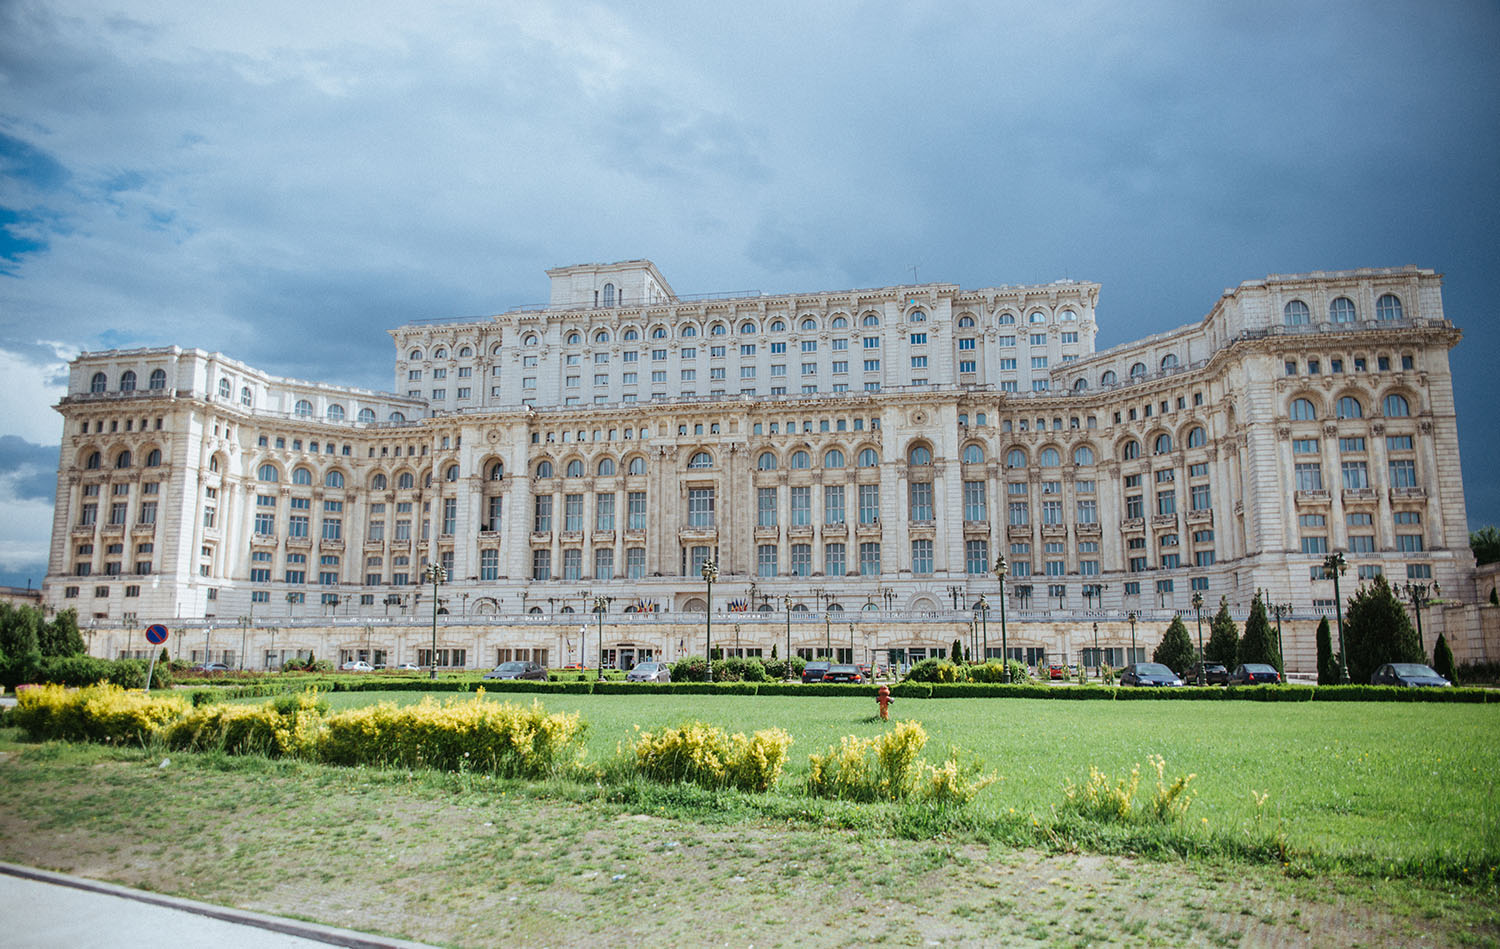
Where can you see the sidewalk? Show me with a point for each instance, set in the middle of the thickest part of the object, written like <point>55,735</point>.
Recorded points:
<point>48,910</point>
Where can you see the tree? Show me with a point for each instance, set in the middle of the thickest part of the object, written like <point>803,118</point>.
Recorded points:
<point>1175,651</point>
<point>1328,669</point>
<point>19,643</point>
<point>958,651</point>
<point>1377,630</point>
<point>1224,639</point>
<point>1485,543</point>
<point>61,636</point>
<point>1442,660</point>
<point>1259,642</point>
<point>773,650</point>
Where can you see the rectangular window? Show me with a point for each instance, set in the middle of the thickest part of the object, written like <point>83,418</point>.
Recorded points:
<point>542,522</point>
<point>921,558</point>
<point>1052,511</point>
<point>541,564</point>
<point>572,564</point>
<point>1134,507</point>
<point>572,512</point>
<point>604,512</point>
<point>833,504</point>
<point>1403,473</point>
<point>801,506</point>
<point>809,345</point>
<point>976,557</point>
<point>869,504</point>
<point>1166,502</point>
<point>700,507</point>
<point>636,502</point>
<point>1304,446</point>
<point>1351,444</point>
<point>1315,545</point>
<point>1309,476</point>
<point>1361,543</point>
<point>833,560</point>
<point>801,560</point>
<point>604,563</point>
<point>921,502</point>
<point>1398,443</point>
<point>1088,511</point>
<point>450,516</point>
<point>765,507</point>
<point>635,562</point>
<point>1409,543</point>
<point>148,513</point>
<point>869,560</point>
<point>1200,498</point>
<point>919,362</point>
<point>1356,475</point>
<point>975,508</point>
<point>489,565</point>
<point>765,560</point>
<point>872,365</point>
<point>1018,513</point>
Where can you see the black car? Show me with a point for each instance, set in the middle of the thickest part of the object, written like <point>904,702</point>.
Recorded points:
<point>517,670</point>
<point>814,671</point>
<point>1148,673</point>
<point>1410,674</point>
<point>843,673</point>
<point>1254,673</point>
<point>1210,674</point>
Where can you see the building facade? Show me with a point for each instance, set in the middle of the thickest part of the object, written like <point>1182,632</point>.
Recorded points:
<point>864,453</point>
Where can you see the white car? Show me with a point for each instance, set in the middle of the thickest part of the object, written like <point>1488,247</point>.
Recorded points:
<point>357,665</point>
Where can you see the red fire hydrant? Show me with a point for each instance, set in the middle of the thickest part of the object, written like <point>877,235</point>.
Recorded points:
<point>884,700</point>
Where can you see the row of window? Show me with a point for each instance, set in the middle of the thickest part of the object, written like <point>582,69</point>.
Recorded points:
<point>1341,310</point>
<point>1394,405</point>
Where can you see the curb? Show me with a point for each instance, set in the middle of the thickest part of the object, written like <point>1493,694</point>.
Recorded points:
<point>316,932</point>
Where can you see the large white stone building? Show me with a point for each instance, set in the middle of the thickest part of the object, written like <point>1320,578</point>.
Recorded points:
<point>861,456</point>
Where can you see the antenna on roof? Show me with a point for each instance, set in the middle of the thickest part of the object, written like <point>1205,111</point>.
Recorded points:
<point>913,270</point>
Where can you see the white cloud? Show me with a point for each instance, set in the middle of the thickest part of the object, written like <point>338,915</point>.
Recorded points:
<point>32,388</point>
<point>25,535</point>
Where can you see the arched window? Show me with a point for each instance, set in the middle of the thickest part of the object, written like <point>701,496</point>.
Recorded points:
<point>1169,361</point>
<point>213,463</point>
<point>122,460</point>
<point>378,483</point>
<point>1303,410</point>
<point>223,388</point>
<point>333,479</point>
<point>840,323</point>
<point>153,458</point>
<point>766,461</point>
<point>1109,378</point>
<point>531,340</point>
<point>1350,407</point>
<point>496,349</point>
<point>406,481</point>
<point>1388,307</point>
<point>414,354</point>
<point>94,461</point>
<point>1197,437</point>
<point>1132,450</point>
<point>398,417</point>
<point>158,379</point>
<point>609,294</point>
<point>544,469</point>
<point>637,466</point>
<point>660,332</point>
<point>602,336</point>
<point>335,412</point>
<point>574,338</point>
<point>917,316</point>
<point>1049,458</point>
<point>247,398</point>
<point>1015,458</point>
<point>1341,310</point>
<point>303,409</point>
<point>778,326</point>
<point>268,473</point>
<point>1080,384</point>
<point>868,458</point>
<point>466,352</point>
<point>574,469</point>
<point>688,332</point>
<point>606,467</point>
<point>701,459</point>
<point>1138,371</point>
<point>440,353</point>
<point>809,325</point>
<point>747,329</point>
<point>833,458</point>
<point>718,329</point>
<point>919,455</point>
<point>1083,455</point>
<point>301,476</point>
<point>1395,406</point>
<point>1067,316</point>
<point>801,459</point>
<point>631,335</point>
<point>1295,313</point>
<point>870,319</point>
<point>366,416</point>
<point>127,381</point>
<point>973,454</point>
<point>965,321</point>
<point>1007,319</point>
<point>497,471</point>
<point>1162,444</point>
<point>451,474</point>
<point>99,383</point>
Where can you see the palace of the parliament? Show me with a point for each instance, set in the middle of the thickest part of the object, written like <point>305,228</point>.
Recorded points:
<point>854,462</point>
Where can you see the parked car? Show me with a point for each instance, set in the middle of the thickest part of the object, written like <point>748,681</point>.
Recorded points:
<point>408,667</point>
<point>1210,674</point>
<point>357,665</point>
<point>1059,671</point>
<point>814,671</point>
<point>1148,673</point>
<point>1254,673</point>
<point>649,672</point>
<point>211,667</point>
<point>517,669</point>
<point>843,673</point>
<point>1410,674</point>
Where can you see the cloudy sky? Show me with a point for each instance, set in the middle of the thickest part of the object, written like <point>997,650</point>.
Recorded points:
<point>314,173</point>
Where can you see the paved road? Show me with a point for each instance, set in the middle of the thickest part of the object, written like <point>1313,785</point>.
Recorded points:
<point>44,910</point>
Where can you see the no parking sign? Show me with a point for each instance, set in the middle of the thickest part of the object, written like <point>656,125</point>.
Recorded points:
<point>156,634</point>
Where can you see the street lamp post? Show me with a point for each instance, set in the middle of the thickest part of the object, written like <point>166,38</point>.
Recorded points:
<point>1131,658</point>
<point>244,636</point>
<point>1198,609</point>
<point>1279,610</point>
<point>1097,663</point>
<point>1417,593</point>
<point>710,574</point>
<point>786,604</point>
<point>600,605</point>
<point>984,627</point>
<point>434,575</point>
<point>1334,565</point>
<point>206,630</point>
<point>1001,569</point>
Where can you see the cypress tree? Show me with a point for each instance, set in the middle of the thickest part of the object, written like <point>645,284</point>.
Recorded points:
<point>1328,670</point>
<point>1377,630</point>
<point>958,652</point>
<point>1224,639</point>
<point>61,636</point>
<point>1259,642</point>
<point>1175,651</point>
<point>1442,660</point>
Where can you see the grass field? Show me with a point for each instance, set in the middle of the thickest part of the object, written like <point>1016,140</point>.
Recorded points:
<point>1396,788</point>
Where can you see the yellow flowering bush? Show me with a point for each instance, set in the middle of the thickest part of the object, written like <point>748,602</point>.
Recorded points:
<point>951,784</point>
<point>698,753</point>
<point>1099,799</point>
<point>499,738</point>
<point>287,727</point>
<point>867,769</point>
<point>103,712</point>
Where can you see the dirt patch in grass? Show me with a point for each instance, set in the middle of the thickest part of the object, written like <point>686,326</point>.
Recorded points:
<point>474,862</point>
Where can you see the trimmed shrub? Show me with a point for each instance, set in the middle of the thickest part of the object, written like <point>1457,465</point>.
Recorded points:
<point>105,713</point>
<point>1224,637</point>
<point>1328,670</point>
<point>934,670</point>
<point>287,726</point>
<point>1442,660</point>
<point>696,753</point>
<point>1377,630</point>
<point>1175,651</point>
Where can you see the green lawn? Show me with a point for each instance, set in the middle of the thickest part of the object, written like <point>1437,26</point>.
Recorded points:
<point>1367,782</point>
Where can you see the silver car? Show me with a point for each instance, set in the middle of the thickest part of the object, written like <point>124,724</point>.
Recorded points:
<point>649,672</point>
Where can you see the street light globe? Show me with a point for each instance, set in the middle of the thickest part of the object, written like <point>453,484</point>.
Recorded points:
<point>1001,567</point>
<point>710,571</point>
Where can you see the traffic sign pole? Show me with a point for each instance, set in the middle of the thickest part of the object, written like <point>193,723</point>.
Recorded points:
<point>156,634</point>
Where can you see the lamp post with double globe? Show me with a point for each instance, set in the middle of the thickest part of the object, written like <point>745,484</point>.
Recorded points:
<point>1334,566</point>
<point>710,574</point>
<point>1001,569</point>
<point>786,605</point>
<point>601,604</point>
<point>434,575</point>
<point>1198,609</point>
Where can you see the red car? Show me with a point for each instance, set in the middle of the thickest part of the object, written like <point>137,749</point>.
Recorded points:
<point>1059,671</point>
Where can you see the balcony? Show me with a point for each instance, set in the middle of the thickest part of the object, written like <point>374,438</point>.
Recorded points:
<point>1159,521</point>
<point>374,543</point>
<point>1204,516</point>
<point>83,530</point>
<point>599,536</point>
<point>1054,530</point>
<point>263,540</point>
<point>1136,524</point>
<point>299,543</point>
<point>1313,496</point>
<point>799,530</point>
<point>541,537</point>
<point>978,528</point>
<point>1408,494</point>
<point>702,533</point>
<point>1018,530</point>
<point>327,544</point>
<point>1359,494</point>
<point>871,529</point>
<point>767,532</point>
<point>1089,530</point>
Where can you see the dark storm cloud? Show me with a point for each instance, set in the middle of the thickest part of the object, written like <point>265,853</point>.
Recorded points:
<point>30,470</point>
